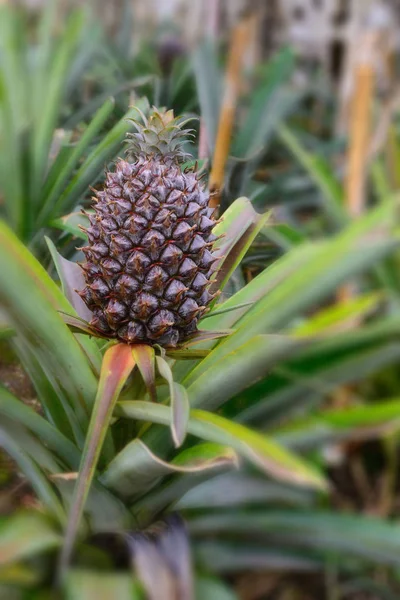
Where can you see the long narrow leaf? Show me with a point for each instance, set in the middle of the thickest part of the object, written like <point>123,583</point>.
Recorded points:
<point>30,299</point>
<point>117,365</point>
<point>15,409</point>
<point>259,449</point>
<point>180,406</point>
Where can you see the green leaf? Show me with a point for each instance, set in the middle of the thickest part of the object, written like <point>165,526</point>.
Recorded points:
<point>144,358</point>
<point>15,409</point>
<point>321,173</point>
<point>227,558</point>
<point>78,325</point>
<point>63,175</point>
<point>180,407</point>
<point>238,488</point>
<point>71,277</point>
<point>347,254</point>
<point>256,448</point>
<point>117,365</point>
<point>19,575</point>
<point>30,300</point>
<point>240,368</point>
<point>208,588</point>
<point>47,117</point>
<point>336,535</point>
<point>93,165</point>
<point>186,353</point>
<point>53,399</point>
<point>205,336</point>
<point>208,80</point>
<point>13,440</point>
<point>136,468</point>
<point>260,286</point>
<point>367,421</point>
<point>269,104</point>
<point>221,311</point>
<point>283,235</point>
<point>339,315</point>
<point>70,224</point>
<point>96,585</point>
<point>240,225</point>
<point>24,535</point>
<point>306,378</point>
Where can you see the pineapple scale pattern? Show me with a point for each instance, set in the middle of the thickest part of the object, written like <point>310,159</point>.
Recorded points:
<point>149,259</point>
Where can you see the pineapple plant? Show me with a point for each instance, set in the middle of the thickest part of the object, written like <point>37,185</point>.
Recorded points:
<point>184,416</point>
<point>149,260</point>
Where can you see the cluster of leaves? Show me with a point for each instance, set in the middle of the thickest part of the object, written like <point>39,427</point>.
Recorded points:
<point>51,152</point>
<point>236,440</point>
<point>275,365</point>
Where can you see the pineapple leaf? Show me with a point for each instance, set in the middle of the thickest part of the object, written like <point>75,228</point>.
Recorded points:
<point>88,172</point>
<point>180,407</point>
<point>322,175</point>
<point>81,584</point>
<point>71,278</point>
<point>26,534</point>
<point>258,449</point>
<point>221,311</point>
<point>62,176</point>
<point>30,305</point>
<point>202,336</point>
<point>209,587</point>
<point>357,536</point>
<point>261,285</point>
<point>187,353</point>
<point>72,224</point>
<point>361,244</point>
<point>79,325</point>
<point>136,468</point>
<point>46,118</point>
<point>13,408</point>
<point>239,369</point>
<point>12,440</point>
<point>330,426</point>
<point>239,227</point>
<point>117,365</point>
<point>144,357</point>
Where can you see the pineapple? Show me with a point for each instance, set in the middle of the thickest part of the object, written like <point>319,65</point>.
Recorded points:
<point>149,260</point>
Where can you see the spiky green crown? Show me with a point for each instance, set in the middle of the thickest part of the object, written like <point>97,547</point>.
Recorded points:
<point>161,134</point>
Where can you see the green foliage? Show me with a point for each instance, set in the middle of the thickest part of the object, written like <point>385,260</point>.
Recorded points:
<point>46,166</point>
<point>278,360</point>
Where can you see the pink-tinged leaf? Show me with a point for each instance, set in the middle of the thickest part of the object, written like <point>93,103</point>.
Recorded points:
<point>239,226</point>
<point>204,336</point>
<point>117,365</point>
<point>180,406</point>
<point>145,359</point>
<point>71,277</point>
<point>80,326</point>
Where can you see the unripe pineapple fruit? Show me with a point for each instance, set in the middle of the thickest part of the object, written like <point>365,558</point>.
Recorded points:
<point>149,259</point>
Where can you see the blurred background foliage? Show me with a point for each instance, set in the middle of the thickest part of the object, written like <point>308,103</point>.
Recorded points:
<point>309,131</point>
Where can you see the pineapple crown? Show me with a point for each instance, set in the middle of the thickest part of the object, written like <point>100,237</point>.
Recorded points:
<point>161,134</point>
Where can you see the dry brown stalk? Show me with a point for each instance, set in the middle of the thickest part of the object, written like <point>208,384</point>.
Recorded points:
<point>357,158</point>
<point>360,125</point>
<point>239,42</point>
